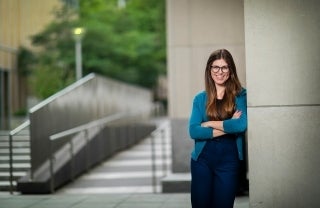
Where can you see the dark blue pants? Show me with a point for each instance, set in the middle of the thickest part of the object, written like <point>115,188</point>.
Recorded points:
<point>214,174</point>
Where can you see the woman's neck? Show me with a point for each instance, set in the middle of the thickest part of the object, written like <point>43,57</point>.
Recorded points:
<point>220,91</point>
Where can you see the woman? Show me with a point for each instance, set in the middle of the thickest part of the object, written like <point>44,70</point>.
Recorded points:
<point>217,124</point>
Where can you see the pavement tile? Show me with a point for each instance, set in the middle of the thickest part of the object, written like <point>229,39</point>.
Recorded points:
<point>19,202</point>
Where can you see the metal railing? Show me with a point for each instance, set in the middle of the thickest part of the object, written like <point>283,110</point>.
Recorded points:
<point>13,133</point>
<point>84,130</point>
<point>77,130</point>
<point>159,131</point>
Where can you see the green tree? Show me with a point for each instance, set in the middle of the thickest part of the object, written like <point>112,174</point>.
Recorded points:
<point>53,65</point>
<point>127,44</point>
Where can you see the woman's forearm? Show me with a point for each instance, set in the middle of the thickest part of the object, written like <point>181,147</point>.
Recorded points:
<point>218,125</point>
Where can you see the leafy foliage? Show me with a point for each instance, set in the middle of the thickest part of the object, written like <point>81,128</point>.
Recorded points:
<point>127,44</point>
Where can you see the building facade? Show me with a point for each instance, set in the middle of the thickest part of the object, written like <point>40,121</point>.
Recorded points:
<point>19,20</point>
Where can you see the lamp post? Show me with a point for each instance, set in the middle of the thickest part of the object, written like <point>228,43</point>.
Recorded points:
<point>78,34</point>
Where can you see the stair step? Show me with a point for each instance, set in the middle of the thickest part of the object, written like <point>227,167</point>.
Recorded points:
<point>14,145</point>
<point>15,173</point>
<point>176,183</point>
<point>16,167</point>
<point>7,178</point>
<point>6,161</point>
<point>5,185</point>
<point>16,159</point>
<point>15,151</point>
<point>21,138</point>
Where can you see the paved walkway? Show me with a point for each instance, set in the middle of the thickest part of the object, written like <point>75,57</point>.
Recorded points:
<point>126,180</point>
<point>103,201</point>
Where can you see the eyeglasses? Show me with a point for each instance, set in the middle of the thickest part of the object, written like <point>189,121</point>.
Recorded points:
<point>216,69</point>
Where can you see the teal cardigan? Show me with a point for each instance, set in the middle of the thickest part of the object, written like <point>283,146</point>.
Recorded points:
<point>231,126</point>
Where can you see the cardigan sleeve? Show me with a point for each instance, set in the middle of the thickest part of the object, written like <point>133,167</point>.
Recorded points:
<point>196,131</point>
<point>233,126</point>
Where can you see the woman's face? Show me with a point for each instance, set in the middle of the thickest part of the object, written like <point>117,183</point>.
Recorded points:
<point>220,71</point>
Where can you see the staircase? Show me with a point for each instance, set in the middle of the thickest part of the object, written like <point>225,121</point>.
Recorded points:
<point>20,157</point>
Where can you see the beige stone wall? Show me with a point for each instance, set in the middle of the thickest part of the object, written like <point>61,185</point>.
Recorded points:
<point>19,20</point>
<point>282,58</point>
<point>194,30</point>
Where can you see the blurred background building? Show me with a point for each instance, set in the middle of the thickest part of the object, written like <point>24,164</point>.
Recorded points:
<point>19,20</point>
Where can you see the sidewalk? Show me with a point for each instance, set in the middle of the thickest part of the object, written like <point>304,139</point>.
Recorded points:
<point>103,201</point>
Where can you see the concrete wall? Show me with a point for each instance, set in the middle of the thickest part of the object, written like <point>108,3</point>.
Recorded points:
<point>282,58</point>
<point>194,30</point>
<point>90,98</point>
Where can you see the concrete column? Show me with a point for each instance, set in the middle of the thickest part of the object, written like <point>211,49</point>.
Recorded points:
<point>194,30</point>
<point>282,62</point>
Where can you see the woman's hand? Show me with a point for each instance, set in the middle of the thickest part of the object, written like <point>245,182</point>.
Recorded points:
<point>219,124</point>
<point>206,124</point>
<point>213,124</point>
<point>215,132</point>
<point>237,114</point>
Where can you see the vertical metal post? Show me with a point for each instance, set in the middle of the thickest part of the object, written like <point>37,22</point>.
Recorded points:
<point>9,98</point>
<point>153,164</point>
<point>72,160</point>
<point>86,135</point>
<point>51,169</point>
<point>164,156</point>
<point>11,163</point>
<point>78,34</point>
<point>78,49</point>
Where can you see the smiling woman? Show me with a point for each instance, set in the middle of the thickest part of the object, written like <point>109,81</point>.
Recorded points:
<point>217,125</point>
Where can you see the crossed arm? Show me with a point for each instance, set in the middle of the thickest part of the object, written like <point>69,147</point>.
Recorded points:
<point>217,126</point>
<point>198,129</point>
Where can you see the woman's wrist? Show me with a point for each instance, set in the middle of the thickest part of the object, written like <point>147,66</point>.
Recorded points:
<point>213,124</point>
<point>217,133</point>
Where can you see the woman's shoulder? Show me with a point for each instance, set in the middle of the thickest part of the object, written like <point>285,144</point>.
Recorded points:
<point>242,93</point>
<point>202,95</point>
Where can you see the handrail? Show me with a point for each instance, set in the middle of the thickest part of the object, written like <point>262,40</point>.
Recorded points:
<point>153,134</point>
<point>64,91</point>
<point>20,127</point>
<point>76,130</point>
<point>86,126</point>
<point>11,134</point>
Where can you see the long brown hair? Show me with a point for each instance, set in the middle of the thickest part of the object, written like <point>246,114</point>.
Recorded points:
<point>233,87</point>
